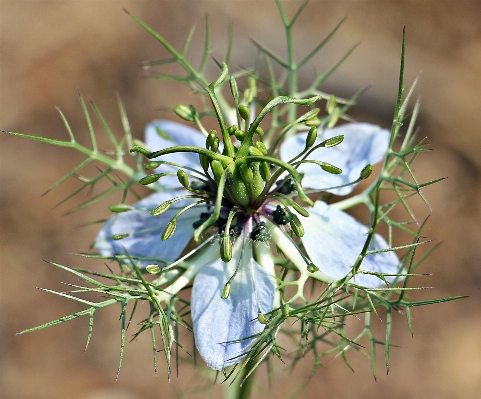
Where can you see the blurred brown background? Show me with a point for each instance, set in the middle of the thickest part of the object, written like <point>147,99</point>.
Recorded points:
<point>51,48</point>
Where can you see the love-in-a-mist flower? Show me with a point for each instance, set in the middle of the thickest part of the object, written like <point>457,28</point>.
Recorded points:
<point>234,195</point>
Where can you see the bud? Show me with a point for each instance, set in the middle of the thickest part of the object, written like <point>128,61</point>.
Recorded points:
<point>246,173</point>
<point>265,171</point>
<point>334,117</point>
<point>331,104</point>
<point>260,131</point>
<point>239,134</point>
<point>210,139</point>
<point>330,168</point>
<point>232,129</point>
<point>120,208</point>
<point>296,226</point>
<point>183,179</point>
<point>215,145</point>
<point>120,236</point>
<point>311,137</point>
<point>161,208</point>
<point>184,112</point>
<point>149,179</point>
<point>152,165</point>
<point>333,141</point>
<point>152,269</point>
<point>169,230</point>
<point>233,88</point>
<point>262,318</point>
<point>261,147</point>
<point>312,268</point>
<point>225,291</point>
<point>244,112</point>
<point>226,248</point>
<point>366,172</point>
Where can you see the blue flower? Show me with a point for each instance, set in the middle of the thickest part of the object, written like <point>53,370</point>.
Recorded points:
<point>233,269</point>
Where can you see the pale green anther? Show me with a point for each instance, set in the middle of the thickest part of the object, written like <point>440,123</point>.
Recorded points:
<point>261,147</point>
<point>299,209</point>
<point>331,104</point>
<point>262,318</point>
<point>153,269</point>
<point>246,173</point>
<point>296,226</point>
<point>226,248</point>
<point>311,137</point>
<point>255,151</point>
<point>161,208</point>
<point>244,112</point>
<point>183,179</point>
<point>204,162</point>
<point>149,179</point>
<point>225,291</point>
<point>169,230</point>
<point>117,237</point>
<point>312,268</point>
<point>139,143</point>
<point>239,134</point>
<point>233,88</point>
<point>366,172</point>
<point>217,169</point>
<point>313,122</point>
<point>152,165</point>
<point>184,112</point>
<point>120,208</point>
<point>260,131</point>
<point>265,171</point>
<point>334,117</point>
<point>330,168</point>
<point>333,141</point>
<point>231,130</point>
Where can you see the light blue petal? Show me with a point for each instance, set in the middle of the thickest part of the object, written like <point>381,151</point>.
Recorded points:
<point>333,240</point>
<point>363,144</point>
<point>175,134</point>
<point>145,230</point>
<point>219,322</point>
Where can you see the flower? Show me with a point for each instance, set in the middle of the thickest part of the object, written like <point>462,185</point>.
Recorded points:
<point>248,199</point>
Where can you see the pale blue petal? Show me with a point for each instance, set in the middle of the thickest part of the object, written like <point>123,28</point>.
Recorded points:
<point>145,230</point>
<point>178,134</point>
<point>219,322</point>
<point>363,144</point>
<point>333,240</point>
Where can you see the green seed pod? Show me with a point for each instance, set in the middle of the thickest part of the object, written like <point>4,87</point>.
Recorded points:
<point>169,230</point>
<point>152,269</point>
<point>149,179</point>
<point>331,104</point>
<point>184,112</point>
<point>231,130</point>
<point>333,141</point>
<point>261,147</point>
<point>120,236</point>
<point>244,112</point>
<point>183,179</point>
<point>311,137</point>
<point>296,226</point>
<point>366,172</point>
<point>312,268</point>
<point>246,173</point>
<point>204,162</point>
<point>265,171</point>
<point>225,291</point>
<point>217,169</point>
<point>226,248</point>
<point>260,131</point>
<point>334,117</point>
<point>161,208</point>
<point>120,208</point>
<point>262,318</point>
<point>152,165</point>
<point>330,168</point>
<point>233,88</point>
